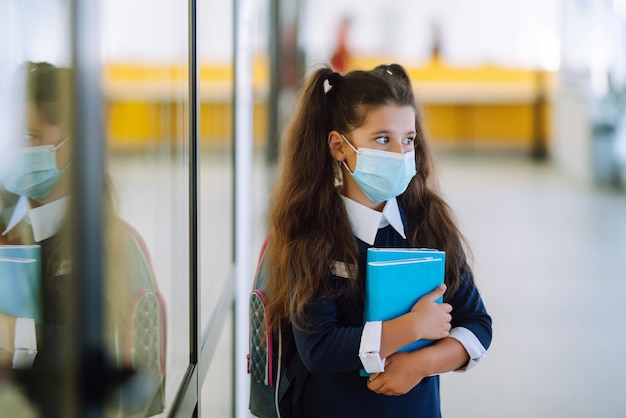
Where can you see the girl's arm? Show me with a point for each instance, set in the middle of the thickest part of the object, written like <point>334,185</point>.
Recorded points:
<point>403,371</point>
<point>326,347</point>
<point>469,339</point>
<point>323,344</point>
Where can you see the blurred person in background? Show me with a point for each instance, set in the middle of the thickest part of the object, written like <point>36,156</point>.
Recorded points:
<point>35,190</point>
<point>340,60</point>
<point>436,42</point>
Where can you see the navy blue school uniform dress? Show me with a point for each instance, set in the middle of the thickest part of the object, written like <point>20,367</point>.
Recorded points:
<point>139,339</point>
<point>330,346</point>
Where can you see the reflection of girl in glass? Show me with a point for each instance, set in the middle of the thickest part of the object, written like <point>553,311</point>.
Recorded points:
<point>35,210</point>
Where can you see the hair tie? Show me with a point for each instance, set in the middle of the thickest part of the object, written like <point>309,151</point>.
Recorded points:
<point>335,79</point>
<point>332,81</point>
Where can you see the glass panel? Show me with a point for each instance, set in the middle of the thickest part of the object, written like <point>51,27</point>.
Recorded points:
<point>147,112</point>
<point>217,398</point>
<point>215,60</point>
<point>35,184</point>
<point>265,109</point>
<point>215,89</point>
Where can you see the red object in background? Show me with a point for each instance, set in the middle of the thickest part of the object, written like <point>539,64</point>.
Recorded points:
<point>341,57</point>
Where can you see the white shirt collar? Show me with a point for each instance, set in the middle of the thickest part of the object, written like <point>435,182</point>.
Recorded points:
<point>366,222</point>
<point>45,220</point>
<point>14,214</point>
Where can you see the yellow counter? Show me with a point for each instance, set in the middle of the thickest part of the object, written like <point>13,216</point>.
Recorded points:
<point>482,105</point>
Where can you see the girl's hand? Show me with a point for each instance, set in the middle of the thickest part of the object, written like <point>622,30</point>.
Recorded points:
<point>400,376</point>
<point>432,319</point>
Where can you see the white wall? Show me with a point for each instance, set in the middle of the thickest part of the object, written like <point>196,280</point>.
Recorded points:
<point>31,31</point>
<point>510,32</point>
<point>39,31</point>
<point>144,30</point>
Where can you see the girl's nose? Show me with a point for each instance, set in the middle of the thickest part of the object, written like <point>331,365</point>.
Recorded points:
<point>396,146</point>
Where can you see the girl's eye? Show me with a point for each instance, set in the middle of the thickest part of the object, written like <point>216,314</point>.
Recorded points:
<point>382,140</point>
<point>408,141</point>
<point>28,137</point>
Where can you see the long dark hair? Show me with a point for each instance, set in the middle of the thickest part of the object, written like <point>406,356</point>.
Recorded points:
<point>49,89</point>
<point>309,223</point>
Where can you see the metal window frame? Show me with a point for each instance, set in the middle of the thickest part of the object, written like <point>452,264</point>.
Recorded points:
<point>187,398</point>
<point>90,366</point>
<point>203,342</point>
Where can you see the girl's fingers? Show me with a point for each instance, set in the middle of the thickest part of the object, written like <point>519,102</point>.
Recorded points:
<point>437,293</point>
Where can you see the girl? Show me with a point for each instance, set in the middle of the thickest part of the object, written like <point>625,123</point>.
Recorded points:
<point>356,174</point>
<point>34,198</point>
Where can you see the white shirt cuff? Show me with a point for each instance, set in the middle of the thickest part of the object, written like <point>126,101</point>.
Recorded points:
<point>25,343</point>
<point>471,344</point>
<point>369,350</point>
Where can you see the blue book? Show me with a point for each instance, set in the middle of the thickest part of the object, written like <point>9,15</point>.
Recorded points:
<point>397,278</point>
<point>20,271</point>
<point>387,254</point>
<point>21,251</point>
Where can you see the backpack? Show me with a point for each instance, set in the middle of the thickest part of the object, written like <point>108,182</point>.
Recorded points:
<point>145,331</point>
<point>277,374</point>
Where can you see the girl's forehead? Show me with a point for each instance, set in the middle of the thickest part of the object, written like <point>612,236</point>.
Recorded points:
<point>34,117</point>
<point>390,117</point>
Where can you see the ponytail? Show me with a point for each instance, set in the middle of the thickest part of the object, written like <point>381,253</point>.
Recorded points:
<point>308,219</point>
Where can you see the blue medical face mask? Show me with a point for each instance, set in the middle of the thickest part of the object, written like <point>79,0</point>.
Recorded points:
<point>33,171</point>
<point>382,175</point>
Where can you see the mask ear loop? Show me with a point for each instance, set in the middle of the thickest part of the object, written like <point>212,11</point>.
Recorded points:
<point>61,143</point>
<point>348,142</point>
<point>344,161</point>
<point>59,146</point>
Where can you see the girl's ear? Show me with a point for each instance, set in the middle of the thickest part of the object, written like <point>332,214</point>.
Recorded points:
<point>335,145</point>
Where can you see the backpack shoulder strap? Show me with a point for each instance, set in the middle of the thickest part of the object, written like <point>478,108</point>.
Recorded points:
<point>259,275</point>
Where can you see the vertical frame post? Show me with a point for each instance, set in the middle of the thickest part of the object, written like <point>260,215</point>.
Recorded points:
<point>88,208</point>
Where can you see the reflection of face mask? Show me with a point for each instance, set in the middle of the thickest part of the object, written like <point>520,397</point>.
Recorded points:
<point>33,171</point>
<point>382,175</point>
